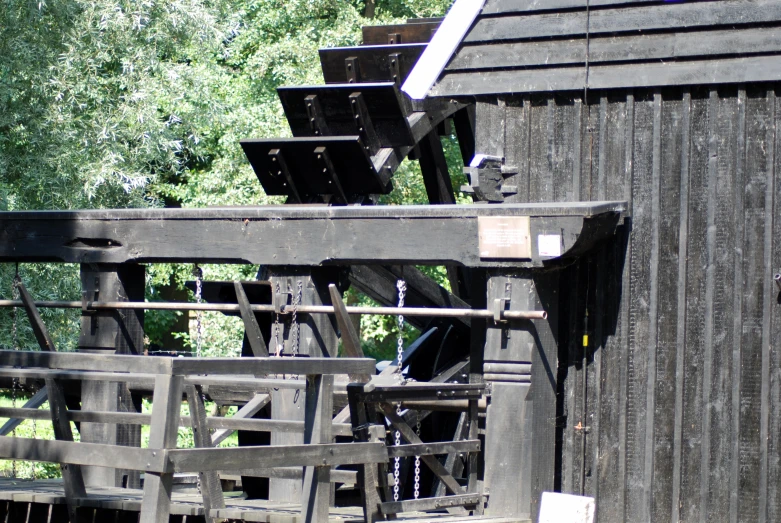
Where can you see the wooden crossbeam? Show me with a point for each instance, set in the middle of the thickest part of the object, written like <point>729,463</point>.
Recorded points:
<point>431,462</point>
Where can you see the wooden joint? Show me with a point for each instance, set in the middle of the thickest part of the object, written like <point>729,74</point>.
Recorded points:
<point>314,112</point>
<point>329,171</point>
<point>281,171</point>
<point>363,123</point>
<point>394,66</point>
<point>351,69</point>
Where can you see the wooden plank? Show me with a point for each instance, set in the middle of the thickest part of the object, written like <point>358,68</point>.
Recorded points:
<point>643,18</point>
<point>38,399</point>
<point>319,407</point>
<point>350,340</point>
<point>433,166</point>
<point>494,7</point>
<point>166,409</point>
<point>190,460</point>
<point>351,162</point>
<point>431,449</point>
<point>88,454</point>
<point>373,62</point>
<point>247,411</point>
<point>411,33</point>
<point>370,479</point>
<point>424,504</point>
<point>432,463</point>
<point>350,235</point>
<point>73,481</point>
<point>262,366</point>
<point>727,70</point>
<point>617,48</point>
<point>89,362</point>
<point>36,322</point>
<point>295,473</point>
<point>209,482</point>
<point>251,327</point>
<point>384,103</point>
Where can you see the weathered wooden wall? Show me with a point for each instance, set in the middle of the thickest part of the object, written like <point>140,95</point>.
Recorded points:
<point>676,415</point>
<point>682,396</point>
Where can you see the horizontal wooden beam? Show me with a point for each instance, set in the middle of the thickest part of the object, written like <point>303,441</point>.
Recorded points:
<point>191,460</point>
<point>93,454</point>
<point>323,235</point>
<point>337,476</point>
<point>432,449</point>
<point>187,366</point>
<point>424,504</point>
<point>134,418</point>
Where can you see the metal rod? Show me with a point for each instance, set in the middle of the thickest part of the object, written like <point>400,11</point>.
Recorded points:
<point>306,309</point>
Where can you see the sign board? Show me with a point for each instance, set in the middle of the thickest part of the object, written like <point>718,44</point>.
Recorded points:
<point>504,237</point>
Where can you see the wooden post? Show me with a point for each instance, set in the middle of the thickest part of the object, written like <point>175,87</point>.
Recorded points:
<point>317,338</point>
<point>521,419</point>
<point>317,429</point>
<point>369,482</point>
<point>164,428</point>
<point>211,489</point>
<point>111,332</point>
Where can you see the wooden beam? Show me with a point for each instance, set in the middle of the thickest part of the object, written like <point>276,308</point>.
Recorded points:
<point>210,487</point>
<point>251,408</point>
<point>425,504</point>
<point>319,407</point>
<point>325,235</point>
<point>36,322</point>
<point>251,327</point>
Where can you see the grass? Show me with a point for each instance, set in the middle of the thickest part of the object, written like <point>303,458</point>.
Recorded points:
<point>43,430</point>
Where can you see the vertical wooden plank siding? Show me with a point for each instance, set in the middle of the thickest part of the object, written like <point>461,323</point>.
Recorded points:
<point>683,387</point>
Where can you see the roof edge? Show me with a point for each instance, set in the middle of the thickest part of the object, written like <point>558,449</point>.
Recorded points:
<point>442,47</point>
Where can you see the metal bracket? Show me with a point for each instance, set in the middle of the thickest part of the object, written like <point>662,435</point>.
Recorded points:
<point>394,38</point>
<point>85,309</point>
<point>500,305</point>
<point>283,172</point>
<point>316,117</point>
<point>363,123</point>
<point>486,178</point>
<point>328,169</point>
<point>394,64</point>
<point>280,300</point>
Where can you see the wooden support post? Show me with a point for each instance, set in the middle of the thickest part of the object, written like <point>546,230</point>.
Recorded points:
<point>251,327</point>
<point>316,337</point>
<point>464,121</point>
<point>211,489</point>
<point>433,165</point>
<point>166,410</point>
<point>519,468</point>
<point>73,480</point>
<point>317,429</point>
<point>278,159</point>
<point>111,332</point>
<point>368,474</point>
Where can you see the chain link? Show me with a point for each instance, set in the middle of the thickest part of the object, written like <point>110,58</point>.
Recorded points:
<point>15,342</point>
<point>295,327</point>
<point>278,346</point>
<point>402,288</point>
<point>417,465</point>
<point>198,273</point>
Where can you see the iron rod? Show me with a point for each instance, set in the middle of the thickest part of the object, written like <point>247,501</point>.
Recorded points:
<point>303,309</point>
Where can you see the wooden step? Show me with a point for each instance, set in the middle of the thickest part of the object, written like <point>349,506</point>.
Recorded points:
<point>369,63</point>
<point>307,167</point>
<point>349,109</point>
<point>414,32</point>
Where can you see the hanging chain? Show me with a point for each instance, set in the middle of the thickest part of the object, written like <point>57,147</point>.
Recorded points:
<point>198,273</point>
<point>15,342</point>
<point>295,327</point>
<point>402,288</point>
<point>417,464</point>
<point>278,345</point>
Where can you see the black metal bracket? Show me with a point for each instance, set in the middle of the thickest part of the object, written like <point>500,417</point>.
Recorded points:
<point>394,64</point>
<point>316,117</point>
<point>278,159</point>
<point>328,169</point>
<point>486,178</point>
<point>351,68</point>
<point>88,296</point>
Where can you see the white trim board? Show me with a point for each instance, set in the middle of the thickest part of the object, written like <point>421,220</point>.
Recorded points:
<point>442,47</point>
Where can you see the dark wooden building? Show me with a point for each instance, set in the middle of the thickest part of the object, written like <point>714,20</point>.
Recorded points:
<point>672,410</point>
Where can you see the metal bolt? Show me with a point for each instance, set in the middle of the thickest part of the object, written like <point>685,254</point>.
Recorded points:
<point>777,279</point>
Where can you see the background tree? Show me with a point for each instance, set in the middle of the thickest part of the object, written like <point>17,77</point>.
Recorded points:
<point>142,103</point>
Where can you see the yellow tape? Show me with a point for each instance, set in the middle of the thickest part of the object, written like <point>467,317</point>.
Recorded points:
<point>585,340</point>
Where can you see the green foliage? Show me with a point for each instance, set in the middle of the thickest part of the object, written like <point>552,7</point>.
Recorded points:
<point>120,103</point>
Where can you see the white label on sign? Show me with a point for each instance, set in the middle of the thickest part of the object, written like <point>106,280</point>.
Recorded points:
<point>549,245</point>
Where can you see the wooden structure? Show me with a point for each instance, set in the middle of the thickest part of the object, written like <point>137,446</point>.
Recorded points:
<point>611,321</point>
